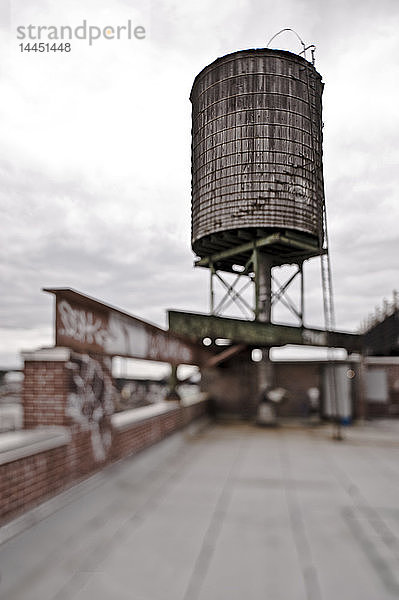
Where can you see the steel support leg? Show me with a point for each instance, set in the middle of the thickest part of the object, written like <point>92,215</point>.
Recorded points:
<point>263,275</point>
<point>172,393</point>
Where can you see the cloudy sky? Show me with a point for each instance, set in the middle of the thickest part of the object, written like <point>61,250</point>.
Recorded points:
<point>95,153</point>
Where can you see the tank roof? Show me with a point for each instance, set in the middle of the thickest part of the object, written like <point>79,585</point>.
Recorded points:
<point>259,51</point>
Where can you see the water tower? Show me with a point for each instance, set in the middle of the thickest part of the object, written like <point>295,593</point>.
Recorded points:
<point>258,196</point>
<point>257,174</point>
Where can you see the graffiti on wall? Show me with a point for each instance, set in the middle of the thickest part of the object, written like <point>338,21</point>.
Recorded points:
<point>82,325</point>
<point>86,325</point>
<point>90,401</point>
<point>160,345</point>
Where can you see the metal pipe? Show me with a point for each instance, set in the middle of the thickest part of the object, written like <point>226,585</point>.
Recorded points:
<point>264,287</point>
<point>212,293</point>
<point>302,295</point>
<point>264,304</point>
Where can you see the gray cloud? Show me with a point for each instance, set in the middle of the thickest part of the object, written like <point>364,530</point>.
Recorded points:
<point>95,151</point>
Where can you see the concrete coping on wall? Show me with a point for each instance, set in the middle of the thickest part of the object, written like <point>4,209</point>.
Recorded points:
<point>53,354</point>
<point>15,445</point>
<point>127,418</point>
<point>382,360</point>
<point>201,397</point>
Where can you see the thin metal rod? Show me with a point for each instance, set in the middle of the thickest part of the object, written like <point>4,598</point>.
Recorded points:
<point>302,310</point>
<point>236,298</point>
<point>255,262</point>
<point>287,29</point>
<point>311,47</point>
<point>329,320</point>
<point>277,295</point>
<point>228,295</point>
<point>228,300</point>
<point>212,293</point>
<point>290,306</point>
<point>286,300</point>
<point>232,286</point>
<point>328,302</point>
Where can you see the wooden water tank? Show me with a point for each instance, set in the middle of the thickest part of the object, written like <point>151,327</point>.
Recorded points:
<point>256,150</point>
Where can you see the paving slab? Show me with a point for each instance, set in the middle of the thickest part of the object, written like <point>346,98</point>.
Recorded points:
<point>233,512</point>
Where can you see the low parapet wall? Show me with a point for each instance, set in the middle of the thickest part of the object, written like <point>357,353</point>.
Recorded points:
<point>33,465</point>
<point>37,463</point>
<point>139,428</point>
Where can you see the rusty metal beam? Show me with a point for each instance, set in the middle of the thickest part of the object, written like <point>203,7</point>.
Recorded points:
<point>301,245</point>
<point>225,355</point>
<point>197,326</point>
<point>260,243</point>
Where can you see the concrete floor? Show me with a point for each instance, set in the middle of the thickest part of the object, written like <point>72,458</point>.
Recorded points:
<point>232,513</point>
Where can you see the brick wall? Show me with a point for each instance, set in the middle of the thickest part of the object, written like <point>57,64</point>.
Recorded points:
<point>45,390</point>
<point>145,433</point>
<point>233,386</point>
<point>390,409</point>
<point>296,378</point>
<point>30,480</point>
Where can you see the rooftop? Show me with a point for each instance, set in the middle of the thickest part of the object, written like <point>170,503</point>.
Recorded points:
<point>227,512</point>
